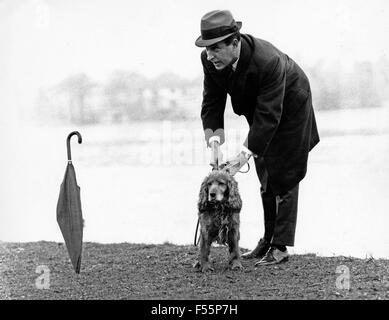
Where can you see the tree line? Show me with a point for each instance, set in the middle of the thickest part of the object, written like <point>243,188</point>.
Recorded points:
<point>128,96</point>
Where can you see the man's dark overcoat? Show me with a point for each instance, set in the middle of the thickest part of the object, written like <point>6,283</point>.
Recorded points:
<point>274,95</point>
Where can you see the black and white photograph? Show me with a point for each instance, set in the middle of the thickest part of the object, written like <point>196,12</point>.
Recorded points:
<point>208,150</point>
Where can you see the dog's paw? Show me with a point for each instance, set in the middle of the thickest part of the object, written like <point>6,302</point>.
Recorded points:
<point>206,268</point>
<point>197,265</point>
<point>203,268</point>
<point>236,265</point>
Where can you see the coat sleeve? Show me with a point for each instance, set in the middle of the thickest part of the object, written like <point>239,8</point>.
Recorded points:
<point>268,109</point>
<point>212,107</point>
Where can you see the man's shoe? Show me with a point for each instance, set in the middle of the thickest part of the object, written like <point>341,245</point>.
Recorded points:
<point>273,256</point>
<point>259,251</point>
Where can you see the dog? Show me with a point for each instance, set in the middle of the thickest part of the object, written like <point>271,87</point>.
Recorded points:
<point>219,207</point>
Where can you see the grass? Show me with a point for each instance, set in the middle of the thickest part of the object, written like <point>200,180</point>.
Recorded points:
<point>139,271</point>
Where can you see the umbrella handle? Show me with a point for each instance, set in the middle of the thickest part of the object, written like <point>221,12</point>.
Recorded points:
<point>68,143</point>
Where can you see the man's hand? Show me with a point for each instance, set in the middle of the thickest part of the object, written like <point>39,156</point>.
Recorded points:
<point>234,164</point>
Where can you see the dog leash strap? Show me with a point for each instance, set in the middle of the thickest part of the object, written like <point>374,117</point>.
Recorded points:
<point>197,228</point>
<point>248,168</point>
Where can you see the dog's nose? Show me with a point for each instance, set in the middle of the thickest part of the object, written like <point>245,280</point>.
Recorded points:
<point>212,194</point>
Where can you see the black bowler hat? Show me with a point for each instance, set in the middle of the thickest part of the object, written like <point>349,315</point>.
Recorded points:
<point>216,26</point>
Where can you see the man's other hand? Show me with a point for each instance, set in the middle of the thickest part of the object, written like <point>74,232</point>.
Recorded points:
<point>234,164</point>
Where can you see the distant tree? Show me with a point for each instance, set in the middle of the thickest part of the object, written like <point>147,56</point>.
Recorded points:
<point>124,94</point>
<point>77,87</point>
<point>326,85</point>
<point>172,90</point>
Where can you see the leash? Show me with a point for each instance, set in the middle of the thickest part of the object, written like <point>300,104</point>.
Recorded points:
<point>196,241</point>
<point>222,235</point>
<point>215,155</point>
<point>248,169</point>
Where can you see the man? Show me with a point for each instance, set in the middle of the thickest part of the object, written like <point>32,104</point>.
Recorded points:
<point>273,93</point>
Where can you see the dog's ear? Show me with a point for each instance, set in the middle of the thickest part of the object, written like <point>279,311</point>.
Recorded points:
<point>203,196</point>
<point>234,200</point>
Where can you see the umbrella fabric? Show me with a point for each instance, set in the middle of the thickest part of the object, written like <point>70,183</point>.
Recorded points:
<point>69,216</point>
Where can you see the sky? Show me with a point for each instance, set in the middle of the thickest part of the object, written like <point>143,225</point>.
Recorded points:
<point>43,42</point>
<point>48,39</point>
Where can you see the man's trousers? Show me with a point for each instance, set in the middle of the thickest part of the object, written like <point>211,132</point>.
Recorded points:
<point>280,211</point>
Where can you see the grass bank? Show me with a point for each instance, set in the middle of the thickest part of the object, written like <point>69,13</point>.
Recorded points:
<point>139,271</point>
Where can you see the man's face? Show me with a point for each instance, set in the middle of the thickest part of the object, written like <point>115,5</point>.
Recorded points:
<point>222,55</point>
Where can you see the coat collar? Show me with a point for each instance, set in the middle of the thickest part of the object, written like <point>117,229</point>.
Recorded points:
<point>246,53</point>
<point>237,79</point>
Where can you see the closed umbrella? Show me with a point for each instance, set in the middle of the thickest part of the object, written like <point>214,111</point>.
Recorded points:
<point>69,214</point>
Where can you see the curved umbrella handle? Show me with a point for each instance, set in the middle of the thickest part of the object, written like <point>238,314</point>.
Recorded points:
<point>68,143</point>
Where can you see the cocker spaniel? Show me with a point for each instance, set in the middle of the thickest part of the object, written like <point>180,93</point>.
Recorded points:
<point>219,206</point>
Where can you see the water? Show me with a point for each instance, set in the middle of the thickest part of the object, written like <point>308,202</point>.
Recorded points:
<point>135,188</point>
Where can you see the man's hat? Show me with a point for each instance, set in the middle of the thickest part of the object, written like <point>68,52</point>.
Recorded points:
<point>216,26</point>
